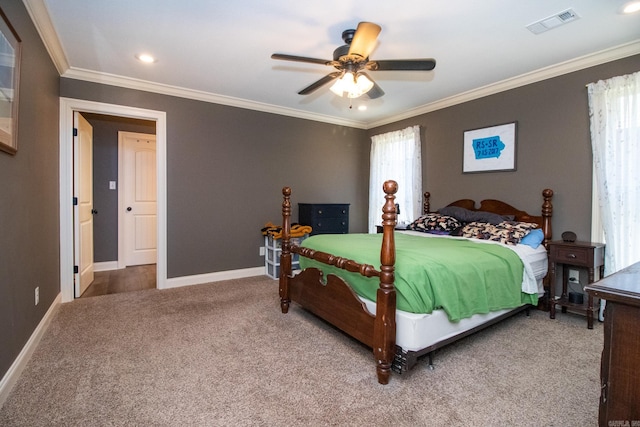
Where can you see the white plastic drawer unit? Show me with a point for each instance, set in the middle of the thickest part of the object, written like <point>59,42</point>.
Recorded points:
<point>273,249</point>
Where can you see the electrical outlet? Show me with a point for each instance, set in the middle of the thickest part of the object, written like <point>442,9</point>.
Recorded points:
<point>37,295</point>
<point>574,276</point>
<point>261,250</point>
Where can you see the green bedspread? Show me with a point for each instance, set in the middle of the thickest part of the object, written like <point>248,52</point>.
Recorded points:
<point>459,276</point>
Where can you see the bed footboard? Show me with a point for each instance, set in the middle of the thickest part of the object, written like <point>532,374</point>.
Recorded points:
<point>333,300</point>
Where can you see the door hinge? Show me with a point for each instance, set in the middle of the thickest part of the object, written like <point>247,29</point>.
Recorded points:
<point>75,131</point>
<point>75,269</point>
<point>75,201</point>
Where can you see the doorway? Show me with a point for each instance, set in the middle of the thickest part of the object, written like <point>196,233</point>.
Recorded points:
<point>123,172</point>
<point>67,260</point>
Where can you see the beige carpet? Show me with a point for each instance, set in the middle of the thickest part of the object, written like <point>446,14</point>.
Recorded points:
<point>222,354</point>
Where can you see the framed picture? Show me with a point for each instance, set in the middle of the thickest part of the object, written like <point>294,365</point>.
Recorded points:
<point>10,48</point>
<point>490,149</point>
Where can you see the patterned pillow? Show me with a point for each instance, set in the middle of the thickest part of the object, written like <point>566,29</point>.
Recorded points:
<point>435,223</point>
<point>507,232</point>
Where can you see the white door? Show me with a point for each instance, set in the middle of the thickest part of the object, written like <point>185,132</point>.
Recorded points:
<point>139,191</point>
<point>83,210</point>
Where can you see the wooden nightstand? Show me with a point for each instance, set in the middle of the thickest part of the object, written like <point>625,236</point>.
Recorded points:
<point>587,255</point>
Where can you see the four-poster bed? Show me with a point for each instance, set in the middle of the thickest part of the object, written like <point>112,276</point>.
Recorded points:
<point>396,336</point>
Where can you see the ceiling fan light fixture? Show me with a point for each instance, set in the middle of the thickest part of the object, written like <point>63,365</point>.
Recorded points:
<point>339,86</point>
<point>352,86</point>
<point>351,63</point>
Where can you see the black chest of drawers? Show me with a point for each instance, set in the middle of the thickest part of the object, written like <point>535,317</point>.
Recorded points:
<point>325,218</point>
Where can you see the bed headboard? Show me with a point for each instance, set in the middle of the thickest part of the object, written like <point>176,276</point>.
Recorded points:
<point>501,208</point>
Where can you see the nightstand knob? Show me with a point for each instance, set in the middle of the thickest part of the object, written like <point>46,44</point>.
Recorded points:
<point>571,256</point>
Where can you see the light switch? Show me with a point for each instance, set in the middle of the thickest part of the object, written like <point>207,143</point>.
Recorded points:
<point>112,185</point>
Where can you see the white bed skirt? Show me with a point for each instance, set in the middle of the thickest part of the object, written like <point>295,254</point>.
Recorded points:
<point>417,331</point>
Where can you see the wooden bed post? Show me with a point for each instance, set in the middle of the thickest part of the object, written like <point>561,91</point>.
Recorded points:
<point>547,212</point>
<point>285,259</point>
<point>384,329</point>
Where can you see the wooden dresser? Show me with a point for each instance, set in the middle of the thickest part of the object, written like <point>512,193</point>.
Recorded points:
<point>324,218</point>
<point>620,369</point>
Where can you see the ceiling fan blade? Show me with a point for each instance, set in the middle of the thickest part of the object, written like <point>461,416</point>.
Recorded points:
<point>376,91</point>
<point>402,65</point>
<point>286,57</point>
<point>364,40</point>
<point>323,81</point>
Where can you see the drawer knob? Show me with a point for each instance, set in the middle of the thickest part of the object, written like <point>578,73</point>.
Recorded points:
<point>320,212</point>
<point>571,256</point>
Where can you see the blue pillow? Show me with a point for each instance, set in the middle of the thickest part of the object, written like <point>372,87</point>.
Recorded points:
<point>533,239</point>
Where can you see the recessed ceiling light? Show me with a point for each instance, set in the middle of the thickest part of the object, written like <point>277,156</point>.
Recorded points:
<point>631,7</point>
<point>146,58</point>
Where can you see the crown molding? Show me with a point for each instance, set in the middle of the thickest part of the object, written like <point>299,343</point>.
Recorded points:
<point>40,16</point>
<point>580,63</point>
<point>164,89</point>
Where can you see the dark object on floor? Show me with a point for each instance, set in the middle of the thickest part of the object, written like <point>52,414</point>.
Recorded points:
<point>576,298</point>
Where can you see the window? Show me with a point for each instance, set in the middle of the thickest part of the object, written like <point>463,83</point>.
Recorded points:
<point>397,156</point>
<point>614,111</point>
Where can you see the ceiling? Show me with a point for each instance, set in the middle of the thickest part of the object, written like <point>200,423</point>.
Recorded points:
<point>219,51</point>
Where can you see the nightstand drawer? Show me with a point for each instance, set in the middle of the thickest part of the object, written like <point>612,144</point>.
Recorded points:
<point>574,256</point>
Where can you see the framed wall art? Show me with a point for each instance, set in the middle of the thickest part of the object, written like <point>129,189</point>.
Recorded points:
<point>10,48</point>
<point>490,149</point>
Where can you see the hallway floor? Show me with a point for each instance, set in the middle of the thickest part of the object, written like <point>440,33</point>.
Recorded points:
<point>135,278</point>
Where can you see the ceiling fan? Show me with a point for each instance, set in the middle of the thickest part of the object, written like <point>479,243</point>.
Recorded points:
<point>350,61</point>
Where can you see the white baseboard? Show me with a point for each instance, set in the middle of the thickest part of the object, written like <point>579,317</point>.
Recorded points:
<point>12,375</point>
<point>105,266</point>
<point>199,279</point>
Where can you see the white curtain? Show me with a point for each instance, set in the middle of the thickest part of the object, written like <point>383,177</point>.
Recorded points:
<point>614,111</point>
<point>397,156</point>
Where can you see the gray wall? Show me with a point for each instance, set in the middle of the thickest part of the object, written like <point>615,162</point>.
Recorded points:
<point>226,168</point>
<point>29,239</point>
<point>105,169</point>
<point>553,146</point>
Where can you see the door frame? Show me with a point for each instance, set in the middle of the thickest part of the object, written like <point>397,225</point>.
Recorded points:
<point>67,258</point>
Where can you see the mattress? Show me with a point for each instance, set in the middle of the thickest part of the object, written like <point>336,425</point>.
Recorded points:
<point>418,331</point>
